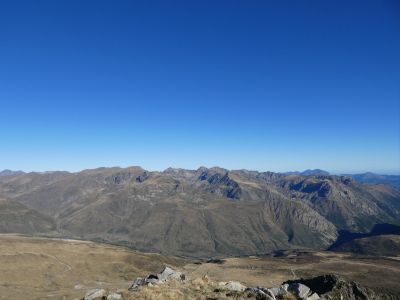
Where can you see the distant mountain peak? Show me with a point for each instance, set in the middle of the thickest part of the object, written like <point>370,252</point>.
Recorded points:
<point>315,172</point>
<point>309,172</point>
<point>8,172</point>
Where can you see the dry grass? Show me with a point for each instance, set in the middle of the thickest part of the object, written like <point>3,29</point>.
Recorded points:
<point>197,289</point>
<point>272,271</point>
<point>53,269</point>
<point>289,296</point>
<point>38,268</point>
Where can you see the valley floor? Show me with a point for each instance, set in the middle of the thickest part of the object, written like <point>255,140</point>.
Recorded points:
<point>40,268</point>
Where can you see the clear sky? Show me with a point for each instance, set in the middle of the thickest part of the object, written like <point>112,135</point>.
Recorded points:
<point>265,85</point>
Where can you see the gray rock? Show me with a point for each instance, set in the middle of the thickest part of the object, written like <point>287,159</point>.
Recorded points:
<point>262,293</point>
<point>137,284</point>
<point>168,274</point>
<point>269,293</point>
<point>232,286</point>
<point>114,296</point>
<point>314,296</point>
<point>280,291</point>
<point>95,294</point>
<point>300,290</point>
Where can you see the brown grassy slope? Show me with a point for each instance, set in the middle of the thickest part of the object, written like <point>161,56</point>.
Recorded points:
<point>38,268</point>
<point>16,217</point>
<point>272,271</point>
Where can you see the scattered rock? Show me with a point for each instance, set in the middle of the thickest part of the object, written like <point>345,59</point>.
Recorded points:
<point>114,296</point>
<point>95,294</point>
<point>327,287</point>
<point>262,293</point>
<point>232,286</point>
<point>166,274</point>
<point>280,291</point>
<point>137,283</point>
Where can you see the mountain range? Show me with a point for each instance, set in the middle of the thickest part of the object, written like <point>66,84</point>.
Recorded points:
<point>195,213</point>
<point>10,172</point>
<point>372,178</point>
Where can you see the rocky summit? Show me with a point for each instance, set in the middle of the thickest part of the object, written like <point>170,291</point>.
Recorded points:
<point>208,212</point>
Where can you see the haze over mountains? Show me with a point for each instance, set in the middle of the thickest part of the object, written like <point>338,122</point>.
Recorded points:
<point>203,212</point>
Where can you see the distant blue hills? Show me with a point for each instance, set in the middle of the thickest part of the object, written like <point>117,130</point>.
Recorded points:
<point>368,177</point>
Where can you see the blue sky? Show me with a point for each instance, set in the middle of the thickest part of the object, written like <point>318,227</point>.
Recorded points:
<point>265,85</point>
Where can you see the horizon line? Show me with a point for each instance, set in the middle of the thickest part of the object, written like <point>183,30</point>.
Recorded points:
<point>343,173</point>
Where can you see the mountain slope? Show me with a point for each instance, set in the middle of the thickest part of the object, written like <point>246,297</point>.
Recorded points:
<point>18,218</point>
<point>204,212</point>
<point>382,245</point>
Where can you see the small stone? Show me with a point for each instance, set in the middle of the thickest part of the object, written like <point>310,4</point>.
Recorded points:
<point>138,283</point>
<point>114,296</point>
<point>95,294</point>
<point>232,286</point>
<point>262,293</point>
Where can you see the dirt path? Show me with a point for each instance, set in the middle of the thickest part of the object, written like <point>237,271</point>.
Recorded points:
<point>67,266</point>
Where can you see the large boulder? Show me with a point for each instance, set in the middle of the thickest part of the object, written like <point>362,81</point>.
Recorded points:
<point>300,290</point>
<point>280,291</point>
<point>320,284</point>
<point>165,275</point>
<point>168,274</point>
<point>331,287</point>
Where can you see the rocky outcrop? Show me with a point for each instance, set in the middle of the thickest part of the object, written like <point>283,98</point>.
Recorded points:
<point>175,284</point>
<point>164,276</point>
<point>219,182</point>
<point>332,287</point>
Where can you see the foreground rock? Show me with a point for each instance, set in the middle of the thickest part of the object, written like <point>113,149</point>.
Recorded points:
<point>102,294</point>
<point>331,287</point>
<point>170,284</point>
<point>95,294</point>
<point>165,275</point>
<point>232,286</point>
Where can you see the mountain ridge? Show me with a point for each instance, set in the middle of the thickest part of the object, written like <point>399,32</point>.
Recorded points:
<point>203,212</point>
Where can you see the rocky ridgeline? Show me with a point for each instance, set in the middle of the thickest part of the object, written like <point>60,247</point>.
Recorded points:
<point>170,284</point>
